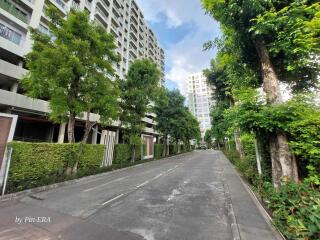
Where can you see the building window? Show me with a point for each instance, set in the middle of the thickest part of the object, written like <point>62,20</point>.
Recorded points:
<point>10,34</point>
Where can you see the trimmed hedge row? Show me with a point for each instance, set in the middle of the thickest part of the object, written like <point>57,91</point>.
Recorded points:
<point>122,153</point>
<point>38,164</point>
<point>158,151</point>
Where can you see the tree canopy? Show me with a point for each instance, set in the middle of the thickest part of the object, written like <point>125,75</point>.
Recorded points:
<point>263,43</point>
<point>72,68</point>
<point>138,91</point>
<point>174,119</point>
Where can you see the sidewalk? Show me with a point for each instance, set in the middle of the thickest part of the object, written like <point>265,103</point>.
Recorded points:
<point>251,223</point>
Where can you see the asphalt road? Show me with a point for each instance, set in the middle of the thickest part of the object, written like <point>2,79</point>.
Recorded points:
<point>184,197</point>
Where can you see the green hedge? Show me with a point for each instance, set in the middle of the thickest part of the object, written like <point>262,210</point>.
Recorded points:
<point>158,151</point>
<point>39,164</point>
<point>122,153</point>
<point>173,149</point>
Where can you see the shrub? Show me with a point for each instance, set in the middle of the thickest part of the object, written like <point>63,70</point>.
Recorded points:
<point>173,149</point>
<point>39,164</point>
<point>296,209</point>
<point>158,151</point>
<point>122,153</point>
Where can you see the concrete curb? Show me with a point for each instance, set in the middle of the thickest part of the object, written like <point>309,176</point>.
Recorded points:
<point>262,210</point>
<point>24,193</point>
<point>231,215</point>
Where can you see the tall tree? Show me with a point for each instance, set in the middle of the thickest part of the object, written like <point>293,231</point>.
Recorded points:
<point>174,119</point>
<point>72,68</point>
<point>138,91</point>
<point>282,38</point>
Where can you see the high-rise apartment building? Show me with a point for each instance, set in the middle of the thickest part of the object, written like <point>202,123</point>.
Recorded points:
<point>122,18</point>
<point>200,100</point>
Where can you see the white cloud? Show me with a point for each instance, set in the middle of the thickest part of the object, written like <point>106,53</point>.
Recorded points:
<point>186,56</point>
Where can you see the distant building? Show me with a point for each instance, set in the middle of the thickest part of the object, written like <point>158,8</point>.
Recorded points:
<point>200,100</point>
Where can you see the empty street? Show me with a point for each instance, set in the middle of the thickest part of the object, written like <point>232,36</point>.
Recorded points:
<point>183,197</point>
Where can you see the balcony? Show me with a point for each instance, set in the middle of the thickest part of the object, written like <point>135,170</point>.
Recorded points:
<point>11,70</point>
<point>114,31</point>
<point>61,4</point>
<point>134,20</point>
<point>105,4</point>
<point>133,49</point>
<point>117,4</point>
<point>116,12</point>
<point>133,36</point>
<point>88,4</point>
<point>75,5</point>
<point>103,16</point>
<point>12,9</point>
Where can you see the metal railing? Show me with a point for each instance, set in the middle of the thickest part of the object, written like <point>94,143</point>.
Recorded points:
<point>75,5</point>
<point>11,8</point>
<point>61,4</point>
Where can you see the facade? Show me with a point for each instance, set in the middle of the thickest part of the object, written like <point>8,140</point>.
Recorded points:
<point>200,100</point>
<point>122,18</point>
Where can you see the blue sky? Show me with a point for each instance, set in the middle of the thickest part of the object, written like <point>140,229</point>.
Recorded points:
<point>181,27</point>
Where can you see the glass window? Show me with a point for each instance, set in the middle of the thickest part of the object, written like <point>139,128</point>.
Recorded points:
<point>10,34</point>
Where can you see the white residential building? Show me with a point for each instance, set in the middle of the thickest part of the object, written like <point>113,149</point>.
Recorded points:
<point>122,18</point>
<point>200,100</point>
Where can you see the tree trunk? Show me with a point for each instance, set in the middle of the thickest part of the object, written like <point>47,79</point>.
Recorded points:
<point>88,128</point>
<point>71,123</point>
<point>178,149</point>
<point>239,146</point>
<point>284,166</point>
<point>133,153</point>
<point>71,139</point>
<point>164,153</point>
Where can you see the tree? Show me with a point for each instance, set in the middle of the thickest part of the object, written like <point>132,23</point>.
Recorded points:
<point>175,120</point>
<point>190,129</point>
<point>282,38</point>
<point>140,88</point>
<point>69,68</point>
<point>208,137</point>
<point>72,68</point>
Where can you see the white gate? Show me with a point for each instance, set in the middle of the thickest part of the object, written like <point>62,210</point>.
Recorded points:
<point>7,128</point>
<point>108,139</point>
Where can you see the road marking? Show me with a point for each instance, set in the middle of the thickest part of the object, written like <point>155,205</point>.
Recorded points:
<point>113,199</point>
<point>171,169</point>
<point>156,177</point>
<point>139,186</point>
<point>104,184</point>
<point>142,184</point>
<point>8,230</point>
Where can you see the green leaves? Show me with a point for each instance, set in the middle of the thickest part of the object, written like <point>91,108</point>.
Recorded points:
<point>175,119</point>
<point>293,37</point>
<point>39,164</point>
<point>140,88</point>
<point>72,68</point>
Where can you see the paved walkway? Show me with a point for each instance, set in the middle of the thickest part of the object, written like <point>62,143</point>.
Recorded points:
<point>187,197</point>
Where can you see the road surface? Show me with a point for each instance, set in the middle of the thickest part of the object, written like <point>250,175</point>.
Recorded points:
<point>186,197</point>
